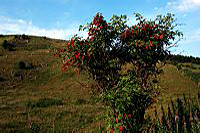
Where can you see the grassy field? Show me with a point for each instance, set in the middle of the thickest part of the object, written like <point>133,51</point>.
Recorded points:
<point>40,97</point>
<point>191,70</point>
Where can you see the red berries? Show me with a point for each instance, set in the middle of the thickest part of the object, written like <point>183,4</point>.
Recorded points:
<point>73,43</point>
<point>121,128</point>
<point>83,57</point>
<point>151,43</point>
<point>161,37</point>
<point>146,26</point>
<point>101,27</point>
<point>78,55</point>
<point>117,120</point>
<point>156,37</point>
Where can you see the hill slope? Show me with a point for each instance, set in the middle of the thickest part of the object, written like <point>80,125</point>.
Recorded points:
<point>36,95</point>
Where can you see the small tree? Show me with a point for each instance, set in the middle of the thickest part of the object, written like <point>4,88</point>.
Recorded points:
<point>108,47</point>
<point>8,45</point>
<point>5,44</point>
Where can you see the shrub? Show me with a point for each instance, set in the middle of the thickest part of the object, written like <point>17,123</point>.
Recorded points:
<point>8,46</point>
<point>22,65</point>
<point>2,79</point>
<point>24,36</point>
<point>179,66</point>
<point>5,44</point>
<point>108,47</point>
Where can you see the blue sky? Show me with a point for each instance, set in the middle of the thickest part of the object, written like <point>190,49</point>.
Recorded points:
<point>61,18</point>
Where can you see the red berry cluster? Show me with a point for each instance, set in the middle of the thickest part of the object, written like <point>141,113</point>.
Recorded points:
<point>122,119</point>
<point>78,52</point>
<point>96,27</point>
<point>81,51</point>
<point>99,22</point>
<point>145,34</point>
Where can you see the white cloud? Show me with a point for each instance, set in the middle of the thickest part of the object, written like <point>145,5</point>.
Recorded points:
<point>19,26</point>
<point>184,5</point>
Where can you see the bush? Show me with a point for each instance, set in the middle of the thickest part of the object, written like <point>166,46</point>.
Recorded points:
<point>24,36</point>
<point>5,44</point>
<point>8,46</point>
<point>2,79</point>
<point>179,66</point>
<point>16,36</point>
<point>22,65</point>
<point>111,45</point>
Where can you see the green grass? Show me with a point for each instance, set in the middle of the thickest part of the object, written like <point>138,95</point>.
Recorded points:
<point>49,99</point>
<point>44,102</point>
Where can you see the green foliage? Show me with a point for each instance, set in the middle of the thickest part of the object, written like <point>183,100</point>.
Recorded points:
<point>128,100</point>
<point>183,59</point>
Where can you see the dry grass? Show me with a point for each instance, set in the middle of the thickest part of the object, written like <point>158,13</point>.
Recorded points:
<point>45,80</point>
<point>173,84</point>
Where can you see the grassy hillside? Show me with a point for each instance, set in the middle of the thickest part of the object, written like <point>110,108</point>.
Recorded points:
<point>36,95</point>
<point>40,96</point>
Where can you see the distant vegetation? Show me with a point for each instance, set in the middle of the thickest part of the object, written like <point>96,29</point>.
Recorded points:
<point>183,59</point>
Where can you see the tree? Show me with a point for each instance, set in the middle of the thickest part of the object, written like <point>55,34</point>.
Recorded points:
<point>8,45</point>
<point>112,45</point>
<point>5,44</point>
